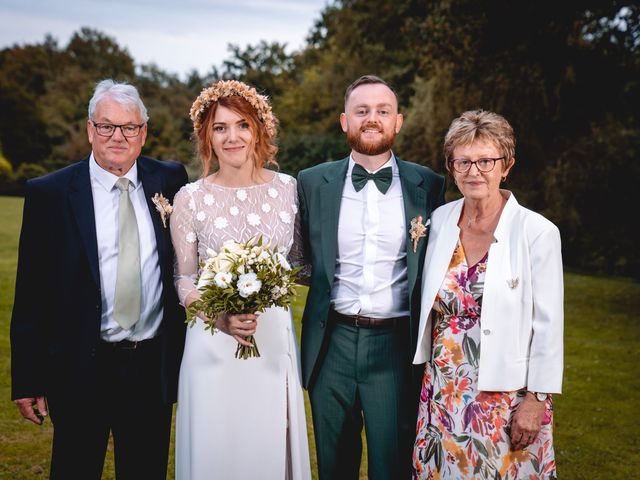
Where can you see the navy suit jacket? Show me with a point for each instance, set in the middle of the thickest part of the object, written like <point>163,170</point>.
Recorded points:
<point>55,326</point>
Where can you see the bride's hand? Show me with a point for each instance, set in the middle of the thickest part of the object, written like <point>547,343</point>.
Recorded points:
<point>239,326</point>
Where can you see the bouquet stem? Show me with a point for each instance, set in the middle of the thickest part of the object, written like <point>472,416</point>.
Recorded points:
<point>243,352</point>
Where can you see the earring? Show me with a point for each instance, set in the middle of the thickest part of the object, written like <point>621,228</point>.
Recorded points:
<point>504,179</point>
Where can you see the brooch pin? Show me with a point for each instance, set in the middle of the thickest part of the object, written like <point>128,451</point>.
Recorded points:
<point>163,207</point>
<point>418,230</point>
<point>513,283</point>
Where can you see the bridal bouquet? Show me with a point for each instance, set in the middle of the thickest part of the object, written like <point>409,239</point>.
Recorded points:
<point>243,278</point>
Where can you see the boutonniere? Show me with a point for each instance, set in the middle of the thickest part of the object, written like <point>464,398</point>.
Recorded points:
<point>163,207</point>
<point>418,230</point>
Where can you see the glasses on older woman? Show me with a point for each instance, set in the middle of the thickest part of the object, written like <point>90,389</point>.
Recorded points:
<point>484,165</point>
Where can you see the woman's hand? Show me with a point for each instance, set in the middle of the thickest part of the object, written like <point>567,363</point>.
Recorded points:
<point>239,326</point>
<point>527,421</point>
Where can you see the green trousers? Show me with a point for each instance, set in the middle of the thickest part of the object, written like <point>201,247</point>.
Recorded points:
<point>366,375</point>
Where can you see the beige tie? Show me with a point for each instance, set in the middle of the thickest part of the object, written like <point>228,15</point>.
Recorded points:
<point>126,310</point>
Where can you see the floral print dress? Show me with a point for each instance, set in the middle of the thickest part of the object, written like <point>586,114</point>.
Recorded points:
<point>463,433</point>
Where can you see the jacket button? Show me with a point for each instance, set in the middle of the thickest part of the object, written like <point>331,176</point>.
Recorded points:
<point>487,332</point>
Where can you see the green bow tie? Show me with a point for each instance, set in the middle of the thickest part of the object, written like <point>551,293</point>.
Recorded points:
<point>382,178</point>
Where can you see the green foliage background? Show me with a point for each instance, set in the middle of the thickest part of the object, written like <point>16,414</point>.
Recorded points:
<point>565,74</point>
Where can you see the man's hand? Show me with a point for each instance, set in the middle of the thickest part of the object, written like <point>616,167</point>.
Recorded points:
<point>527,422</point>
<point>27,410</point>
<point>238,326</point>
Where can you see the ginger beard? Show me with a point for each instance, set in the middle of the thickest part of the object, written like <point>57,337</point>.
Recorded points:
<point>369,147</point>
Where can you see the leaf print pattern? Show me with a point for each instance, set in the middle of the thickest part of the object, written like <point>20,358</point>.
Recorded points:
<point>462,433</point>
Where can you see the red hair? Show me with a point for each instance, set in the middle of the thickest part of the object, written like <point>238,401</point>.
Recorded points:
<point>264,150</point>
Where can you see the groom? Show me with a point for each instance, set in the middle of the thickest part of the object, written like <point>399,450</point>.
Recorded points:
<point>361,317</point>
<point>96,331</point>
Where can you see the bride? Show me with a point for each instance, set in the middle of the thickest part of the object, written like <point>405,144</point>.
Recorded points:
<point>237,419</point>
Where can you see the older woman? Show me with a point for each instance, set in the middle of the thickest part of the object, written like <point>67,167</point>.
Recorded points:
<point>237,418</point>
<point>492,322</point>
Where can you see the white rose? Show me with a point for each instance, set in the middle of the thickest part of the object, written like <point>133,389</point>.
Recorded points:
<point>233,248</point>
<point>282,261</point>
<point>205,279</point>
<point>223,279</point>
<point>248,284</point>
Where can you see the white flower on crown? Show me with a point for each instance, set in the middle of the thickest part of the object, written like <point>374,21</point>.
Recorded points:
<point>234,211</point>
<point>266,208</point>
<point>200,216</point>
<point>285,216</point>
<point>191,237</point>
<point>220,223</point>
<point>253,219</point>
<point>242,195</point>
<point>208,199</point>
<point>273,193</point>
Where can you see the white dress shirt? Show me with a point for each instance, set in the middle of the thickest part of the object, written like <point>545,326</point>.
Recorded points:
<point>106,199</point>
<point>371,264</point>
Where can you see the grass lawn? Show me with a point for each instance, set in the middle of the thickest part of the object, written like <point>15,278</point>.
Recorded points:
<point>596,428</point>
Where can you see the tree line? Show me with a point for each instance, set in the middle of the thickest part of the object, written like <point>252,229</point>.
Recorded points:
<point>565,74</point>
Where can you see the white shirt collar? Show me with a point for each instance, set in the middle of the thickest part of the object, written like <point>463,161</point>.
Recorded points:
<point>107,179</point>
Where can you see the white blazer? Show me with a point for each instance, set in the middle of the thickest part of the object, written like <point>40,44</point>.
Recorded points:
<point>522,317</point>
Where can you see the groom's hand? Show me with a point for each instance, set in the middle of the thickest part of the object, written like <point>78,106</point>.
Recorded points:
<point>27,410</point>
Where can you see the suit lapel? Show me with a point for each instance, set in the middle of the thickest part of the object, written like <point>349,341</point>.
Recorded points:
<point>81,200</point>
<point>414,198</point>
<point>330,200</point>
<point>152,183</point>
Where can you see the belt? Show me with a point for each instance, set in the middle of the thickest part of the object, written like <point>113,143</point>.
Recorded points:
<point>128,344</point>
<point>366,322</point>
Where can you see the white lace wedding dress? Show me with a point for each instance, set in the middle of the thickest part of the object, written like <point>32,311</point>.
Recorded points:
<point>237,419</point>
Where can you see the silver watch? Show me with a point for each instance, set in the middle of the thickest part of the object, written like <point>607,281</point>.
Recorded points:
<point>541,397</point>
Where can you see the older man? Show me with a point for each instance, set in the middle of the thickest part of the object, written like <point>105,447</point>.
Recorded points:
<point>97,332</point>
<point>363,220</point>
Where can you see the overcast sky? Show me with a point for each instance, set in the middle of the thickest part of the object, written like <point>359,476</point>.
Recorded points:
<point>177,35</point>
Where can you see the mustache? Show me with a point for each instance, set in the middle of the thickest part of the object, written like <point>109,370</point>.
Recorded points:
<point>369,125</point>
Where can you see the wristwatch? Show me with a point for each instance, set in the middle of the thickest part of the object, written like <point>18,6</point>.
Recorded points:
<point>541,397</point>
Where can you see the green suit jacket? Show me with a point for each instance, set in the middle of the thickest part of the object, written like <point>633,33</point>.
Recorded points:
<point>320,194</point>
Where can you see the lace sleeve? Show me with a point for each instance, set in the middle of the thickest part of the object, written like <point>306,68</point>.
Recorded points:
<point>185,244</point>
<point>297,254</point>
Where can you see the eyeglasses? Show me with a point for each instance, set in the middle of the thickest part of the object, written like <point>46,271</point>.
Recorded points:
<point>107,129</point>
<point>484,165</point>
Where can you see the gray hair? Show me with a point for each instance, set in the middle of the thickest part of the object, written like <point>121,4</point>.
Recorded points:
<point>123,93</point>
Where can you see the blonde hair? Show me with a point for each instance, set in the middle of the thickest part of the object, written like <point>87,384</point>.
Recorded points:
<point>475,125</point>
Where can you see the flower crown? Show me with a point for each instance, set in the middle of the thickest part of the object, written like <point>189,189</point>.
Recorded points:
<point>228,88</point>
